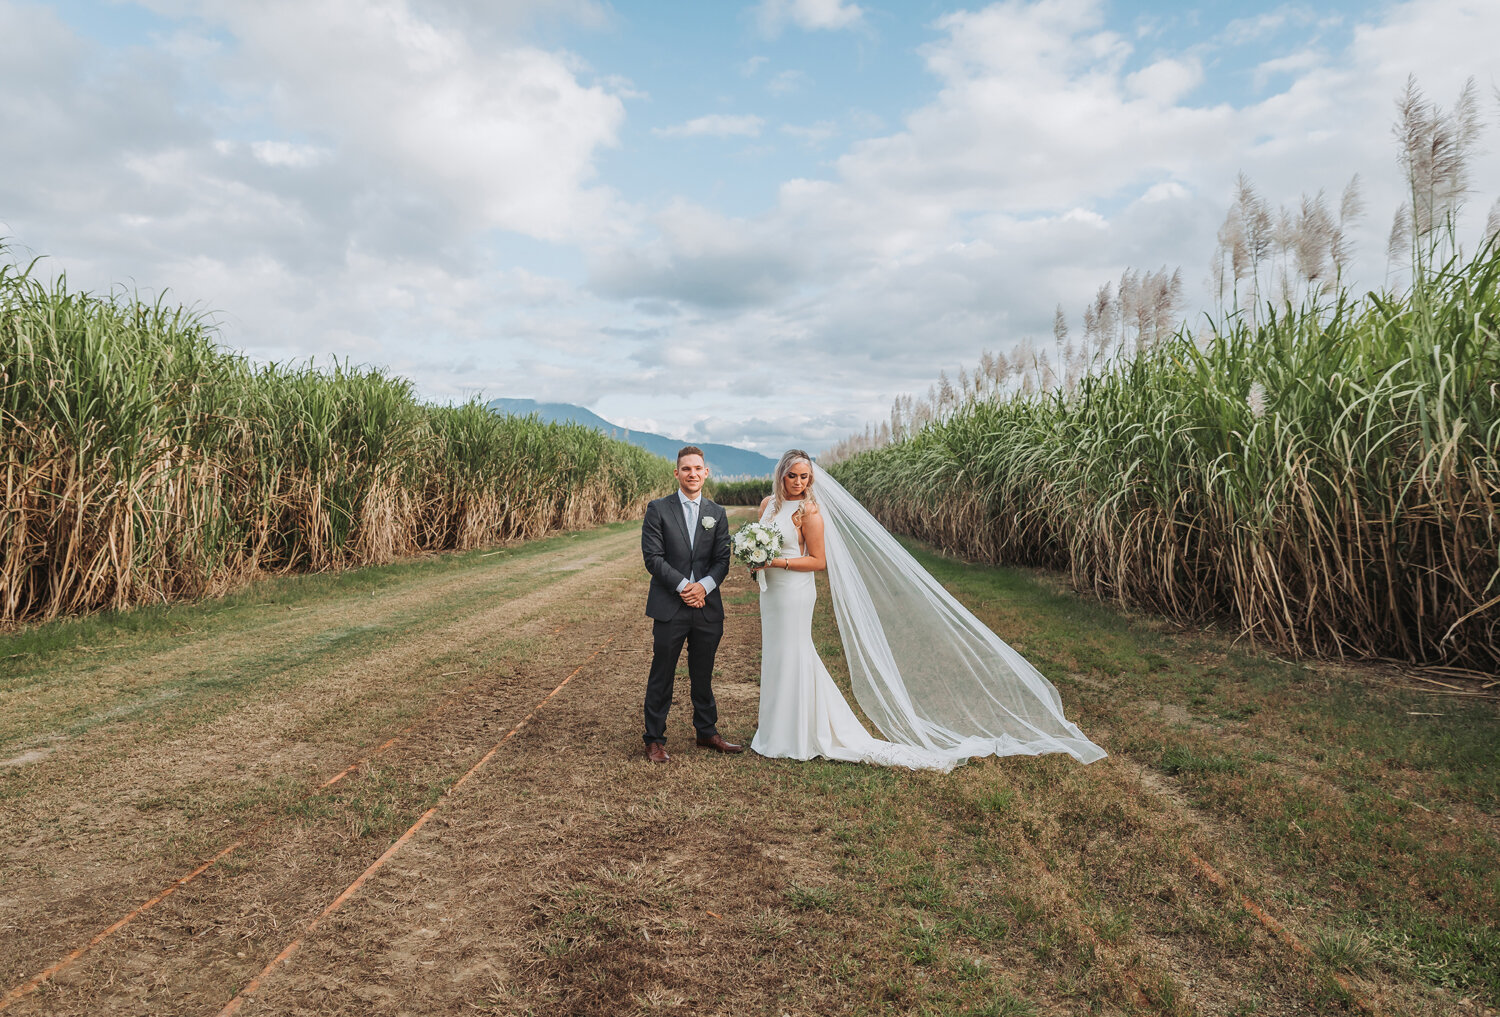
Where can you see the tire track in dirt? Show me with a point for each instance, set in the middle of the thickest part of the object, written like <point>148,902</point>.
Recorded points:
<point>288,951</point>
<point>1147,954</point>
<point>298,631</point>
<point>1278,941</point>
<point>1233,884</point>
<point>378,664</point>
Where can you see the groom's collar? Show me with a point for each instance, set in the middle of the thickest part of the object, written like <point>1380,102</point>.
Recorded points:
<point>681,496</point>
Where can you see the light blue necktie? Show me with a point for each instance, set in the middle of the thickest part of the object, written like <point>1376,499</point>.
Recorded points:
<point>690,513</point>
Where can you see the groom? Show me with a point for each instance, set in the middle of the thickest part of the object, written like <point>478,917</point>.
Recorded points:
<point>685,541</point>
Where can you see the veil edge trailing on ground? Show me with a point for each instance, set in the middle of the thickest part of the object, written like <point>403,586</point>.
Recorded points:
<point>924,669</point>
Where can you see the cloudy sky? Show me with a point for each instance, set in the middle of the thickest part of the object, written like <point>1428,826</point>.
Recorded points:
<point>753,223</point>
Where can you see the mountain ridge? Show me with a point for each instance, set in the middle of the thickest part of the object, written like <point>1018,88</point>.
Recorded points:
<point>724,461</point>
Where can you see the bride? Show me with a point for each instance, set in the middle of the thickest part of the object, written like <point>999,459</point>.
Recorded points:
<point>940,685</point>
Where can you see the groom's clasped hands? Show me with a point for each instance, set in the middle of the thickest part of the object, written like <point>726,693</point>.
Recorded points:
<point>694,595</point>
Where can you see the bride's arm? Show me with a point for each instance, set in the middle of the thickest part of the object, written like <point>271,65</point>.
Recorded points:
<point>812,537</point>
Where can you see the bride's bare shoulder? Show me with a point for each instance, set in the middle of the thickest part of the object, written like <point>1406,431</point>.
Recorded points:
<point>807,519</point>
<point>763,503</point>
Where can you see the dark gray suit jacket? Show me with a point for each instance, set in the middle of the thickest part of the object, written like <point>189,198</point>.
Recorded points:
<point>664,545</point>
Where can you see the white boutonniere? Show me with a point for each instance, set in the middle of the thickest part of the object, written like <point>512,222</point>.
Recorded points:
<point>709,522</point>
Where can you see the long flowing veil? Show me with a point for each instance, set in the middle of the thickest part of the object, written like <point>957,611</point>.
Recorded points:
<point>925,670</point>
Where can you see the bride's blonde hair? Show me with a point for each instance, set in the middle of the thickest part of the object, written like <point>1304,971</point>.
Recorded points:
<point>790,458</point>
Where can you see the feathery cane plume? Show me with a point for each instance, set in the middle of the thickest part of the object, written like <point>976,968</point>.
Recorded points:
<point>1167,297</point>
<point>1435,147</point>
<point>1351,210</point>
<point>1399,242</point>
<point>1232,242</point>
<point>1284,234</point>
<point>1127,300</point>
<point>1352,203</point>
<point>1314,238</point>
<point>1257,219</point>
<point>1257,400</point>
<point>1105,319</point>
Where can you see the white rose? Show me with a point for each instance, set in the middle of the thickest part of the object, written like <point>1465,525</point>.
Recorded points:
<point>757,556</point>
<point>709,523</point>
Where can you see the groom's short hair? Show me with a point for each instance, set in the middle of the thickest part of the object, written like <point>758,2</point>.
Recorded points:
<point>688,450</point>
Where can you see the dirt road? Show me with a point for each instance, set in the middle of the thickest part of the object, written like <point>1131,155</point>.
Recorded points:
<point>334,782</point>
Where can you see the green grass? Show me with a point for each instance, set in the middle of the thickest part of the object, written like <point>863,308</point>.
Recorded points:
<point>1177,760</point>
<point>816,898</point>
<point>149,625</point>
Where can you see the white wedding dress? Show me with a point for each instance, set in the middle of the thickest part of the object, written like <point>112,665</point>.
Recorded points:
<point>802,712</point>
<point>931,676</point>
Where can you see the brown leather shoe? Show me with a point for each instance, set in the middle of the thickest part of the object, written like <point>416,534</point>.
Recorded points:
<point>718,744</point>
<point>657,752</point>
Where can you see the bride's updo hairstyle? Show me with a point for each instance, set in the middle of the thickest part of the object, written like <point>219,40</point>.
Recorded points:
<point>790,458</point>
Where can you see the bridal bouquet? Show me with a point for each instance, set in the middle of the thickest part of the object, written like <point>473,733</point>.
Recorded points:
<point>753,545</point>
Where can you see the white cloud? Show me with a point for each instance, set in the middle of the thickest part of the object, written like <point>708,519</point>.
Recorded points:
<point>1292,64</point>
<point>1167,190</point>
<point>702,258</point>
<point>1088,217</point>
<point>811,15</point>
<point>715,125</point>
<point>622,87</point>
<point>504,132</point>
<point>1165,82</point>
<point>283,153</point>
<point>1037,110</point>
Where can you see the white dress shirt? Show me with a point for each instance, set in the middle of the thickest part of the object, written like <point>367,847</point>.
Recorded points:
<point>689,507</point>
